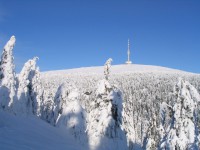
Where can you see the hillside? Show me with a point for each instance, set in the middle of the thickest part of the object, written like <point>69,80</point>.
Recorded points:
<point>144,89</point>
<point>116,69</point>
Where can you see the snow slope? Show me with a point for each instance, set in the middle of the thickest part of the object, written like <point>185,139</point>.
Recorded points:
<point>30,133</point>
<point>144,88</point>
<point>115,69</point>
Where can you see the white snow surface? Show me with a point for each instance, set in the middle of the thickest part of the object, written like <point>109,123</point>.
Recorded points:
<point>116,69</point>
<point>31,133</point>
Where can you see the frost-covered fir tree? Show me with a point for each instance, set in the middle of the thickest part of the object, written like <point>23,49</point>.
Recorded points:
<point>47,106</point>
<point>105,119</point>
<point>69,114</point>
<point>183,131</point>
<point>150,141</point>
<point>59,104</point>
<point>29,89</point>
<point>37,92</point>
<point>107,68</point>
<point>7,76</point>
<point>155,132</point>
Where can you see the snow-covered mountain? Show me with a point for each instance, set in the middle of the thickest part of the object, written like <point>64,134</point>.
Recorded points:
<point>101,108</point>
<point>145,89</point>
<point>116,69</point>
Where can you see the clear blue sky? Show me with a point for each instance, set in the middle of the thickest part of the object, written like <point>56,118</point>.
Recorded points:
<point>78,33</point>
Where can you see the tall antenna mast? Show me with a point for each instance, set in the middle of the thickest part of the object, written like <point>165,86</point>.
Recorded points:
<point>129,53</point>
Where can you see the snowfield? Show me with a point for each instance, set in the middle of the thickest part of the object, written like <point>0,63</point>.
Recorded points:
<point>116,69</point>
<point>31,133</point>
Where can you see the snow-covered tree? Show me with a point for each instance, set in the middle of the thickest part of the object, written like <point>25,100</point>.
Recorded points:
<point>37,92</point>
<point>154,133</point>
<point>29,89</point>
<point>107,68</point>
<point>183,132</point>
<point>7,76</point>
<point>68,112</point>
<point>104,122</point>
<point>60,100</point>
<point>47,106</point>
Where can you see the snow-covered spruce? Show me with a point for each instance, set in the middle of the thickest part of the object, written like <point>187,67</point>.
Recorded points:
<point>183,133</point>
<point>152,139</point>
<point>104,122</point>
<point>69,114</point>
<point>47,106</point>
<point>107,68</point>
<point>29,89</point>
<point>7,76</point>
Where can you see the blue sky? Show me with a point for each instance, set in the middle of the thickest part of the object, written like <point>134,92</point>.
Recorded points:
<point>78,33</point>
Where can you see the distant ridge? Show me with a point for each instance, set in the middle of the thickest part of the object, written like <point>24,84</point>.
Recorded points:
<point>117,69</point>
